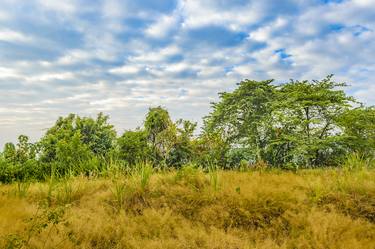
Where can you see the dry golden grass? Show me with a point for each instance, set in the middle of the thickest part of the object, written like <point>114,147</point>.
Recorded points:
<point>190,209</point>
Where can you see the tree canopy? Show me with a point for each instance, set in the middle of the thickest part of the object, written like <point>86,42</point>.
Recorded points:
<point>296,124</point>
<point>292,125</point>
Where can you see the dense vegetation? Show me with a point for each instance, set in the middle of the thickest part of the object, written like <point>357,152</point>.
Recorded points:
<point>300,124</point>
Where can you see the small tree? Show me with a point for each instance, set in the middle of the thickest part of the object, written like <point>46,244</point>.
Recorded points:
<point>182,150</point>
<point>97,133</point>
<point>133,147</point>
<point>9,152</point>
<point>161,133</point>
<point>19,162</point>
<point>76,144</point>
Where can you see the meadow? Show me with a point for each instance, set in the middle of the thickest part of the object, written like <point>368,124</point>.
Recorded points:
<point>192,208</point>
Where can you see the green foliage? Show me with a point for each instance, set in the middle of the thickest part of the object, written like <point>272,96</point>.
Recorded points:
<point>119,191</point>
<point>21,189</point>
<point>134,147</point>
<point>171,143</point>
<point>97,134</point>
<point>85,134</point>
<point>183,147</point>
<point>243,117</point>
<point>76,145</point>
<point>161,133</point>
<point>297,124</point>
<point>306,122</point>
<point>157,121</point>
<point>210,148</point>
<point>214,177</point>
<point>69,153</point>
<point>359,129</point>
<point>290,126</point>
<point>19,162</point>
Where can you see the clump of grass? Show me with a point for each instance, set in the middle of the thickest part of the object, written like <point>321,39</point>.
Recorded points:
<point>21,189</point>
<point>213,173</point>
<point>129,193</point>
<point>259,165</point>
<point>68,191</point>
<point>143,171</point>
<point>355,161</point>
<point>113,168</point>
<point>190,175</point>
<point>119,193</point>
<point>244,166</point>
<point>48,195</point>
<point>60,192</point>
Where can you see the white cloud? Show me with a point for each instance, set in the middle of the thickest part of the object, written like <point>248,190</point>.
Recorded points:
<point>4,16</point>
<point>364,3</point>
<point>264,33</point>
<point>111,57</point>
<point>50,76</point>
<point>8,73</point>
<point>200,13</point>
<point>162,26</point>
<point>155,56</point>
<point>126,69</point>
<point>66,6</point>
<point>14,36</point>
<point>74,56</point>
<point>113,9</point>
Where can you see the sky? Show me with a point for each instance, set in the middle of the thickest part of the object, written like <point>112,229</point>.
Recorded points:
<point>121,57</point>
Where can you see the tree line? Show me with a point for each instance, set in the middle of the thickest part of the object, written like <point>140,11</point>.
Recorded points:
<point>299,124</point>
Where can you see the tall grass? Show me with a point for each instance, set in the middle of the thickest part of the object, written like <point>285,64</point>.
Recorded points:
<point>355,161</point>
<point>213,173</point>
<point>143,171</point>
<point>304,209</point>
<point>119,193</point>
<point>22,189</point>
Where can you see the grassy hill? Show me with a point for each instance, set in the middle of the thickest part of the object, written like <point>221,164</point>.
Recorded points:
<point>188,208</point>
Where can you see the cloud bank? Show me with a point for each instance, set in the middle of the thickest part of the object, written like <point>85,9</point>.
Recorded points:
<point>120,57</point>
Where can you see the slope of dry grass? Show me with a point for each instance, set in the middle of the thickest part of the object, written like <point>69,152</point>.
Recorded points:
<point>190,209</point>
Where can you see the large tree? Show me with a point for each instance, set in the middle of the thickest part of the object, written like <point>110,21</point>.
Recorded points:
<point>305,116</point>
<point>291,124</point>
<point>243,116</point>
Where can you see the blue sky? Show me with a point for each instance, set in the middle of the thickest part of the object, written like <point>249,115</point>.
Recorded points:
<point>121,57</point>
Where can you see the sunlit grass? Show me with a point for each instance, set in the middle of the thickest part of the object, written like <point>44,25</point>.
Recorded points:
<point>188,208</point>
